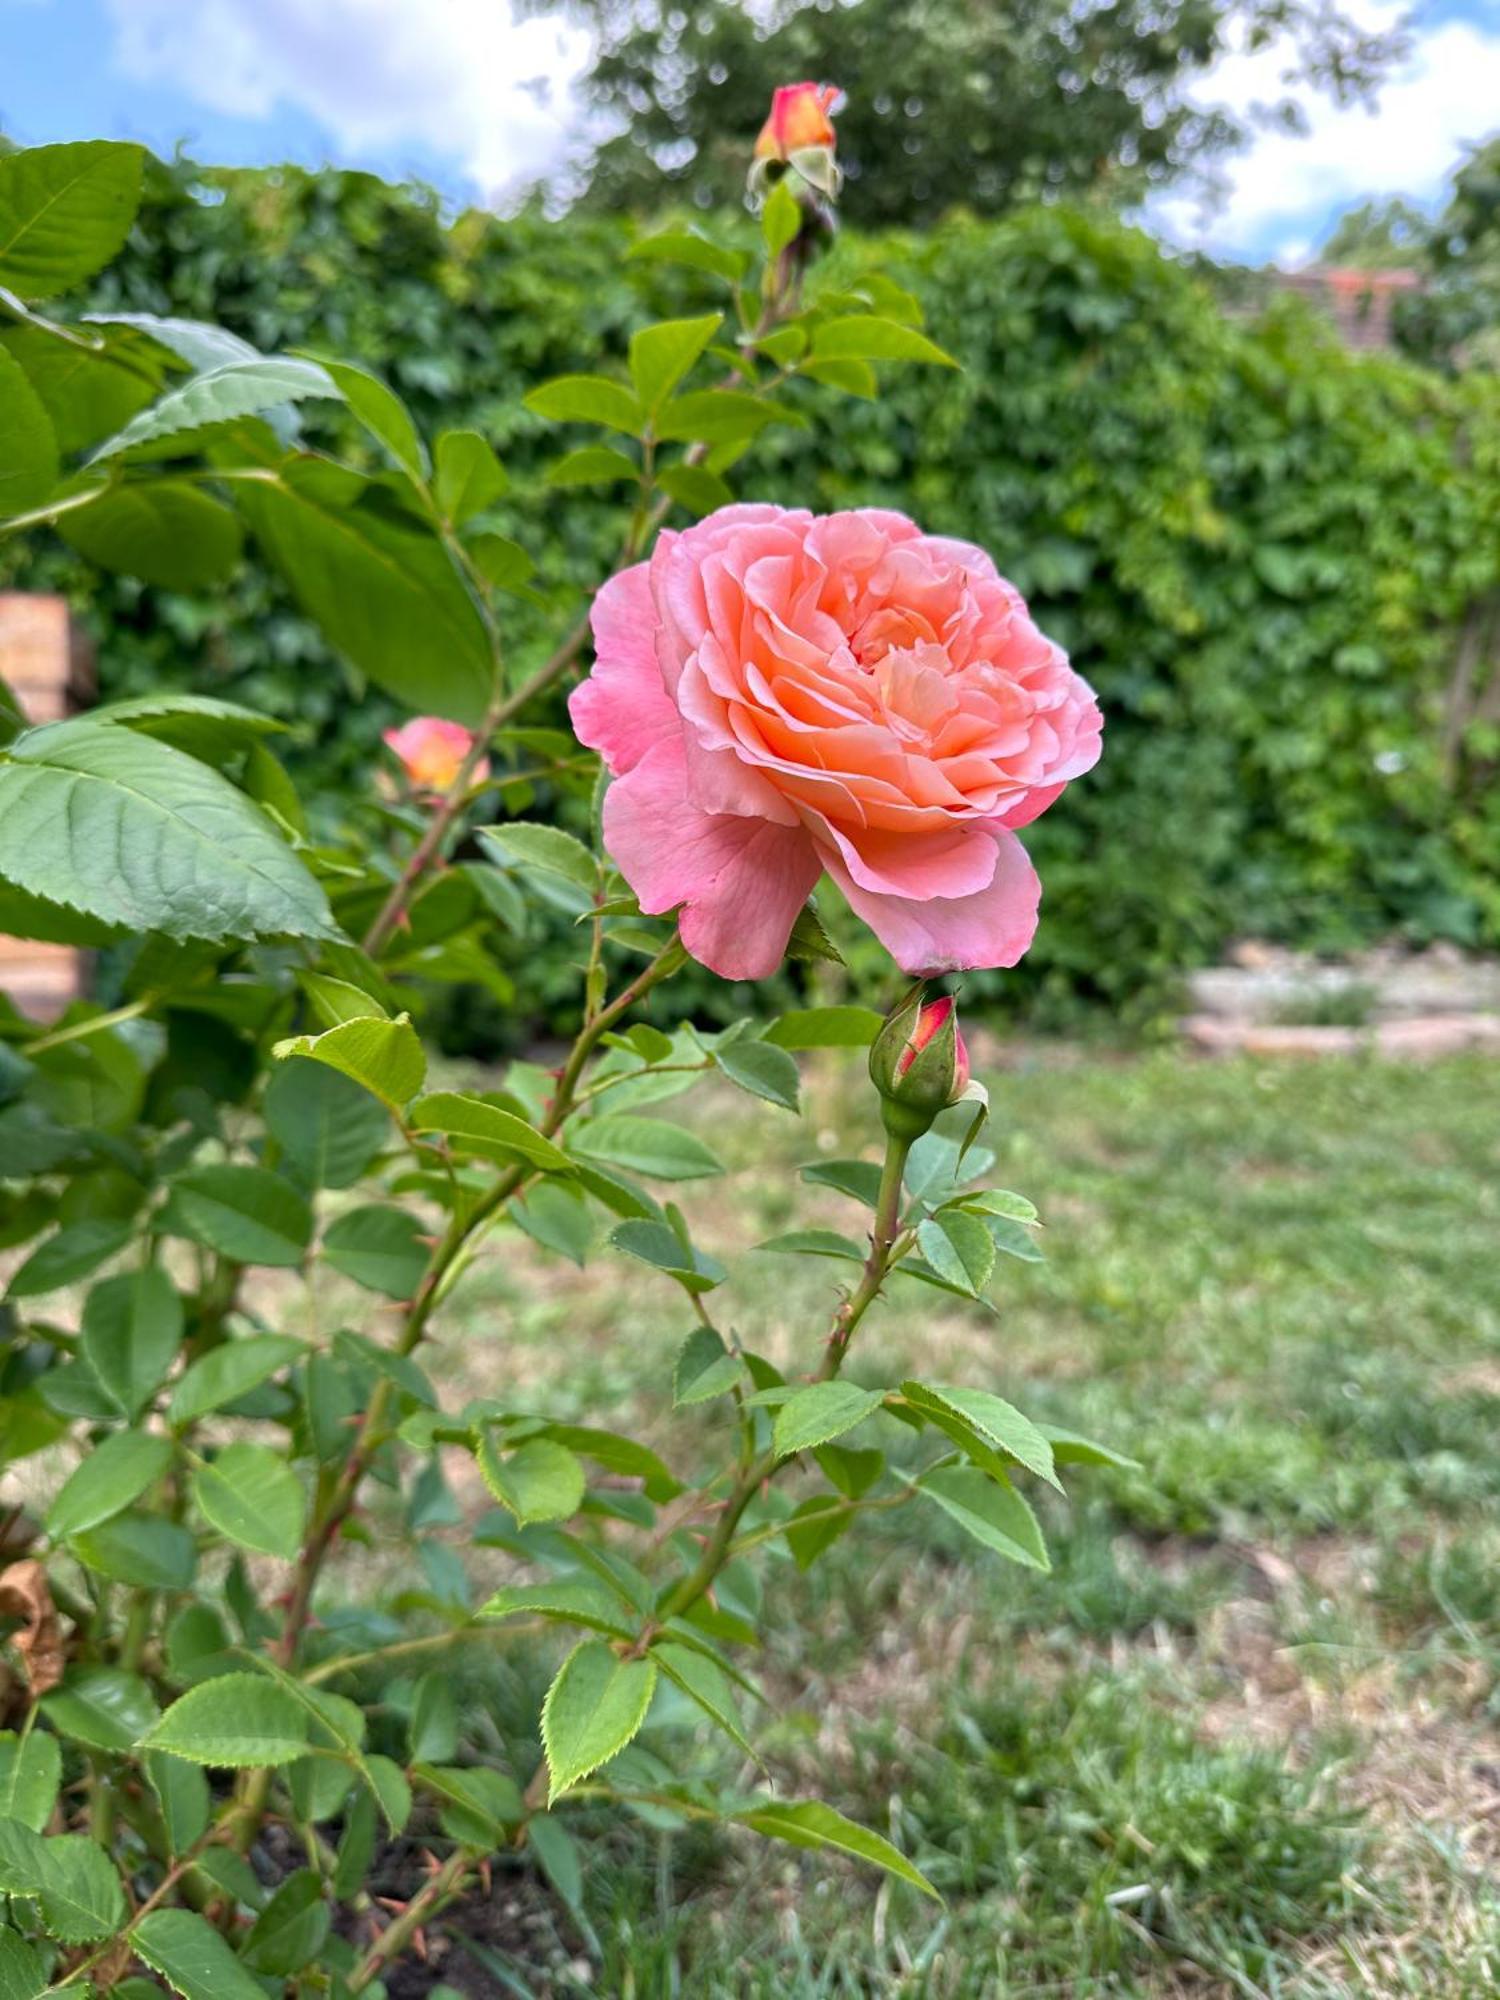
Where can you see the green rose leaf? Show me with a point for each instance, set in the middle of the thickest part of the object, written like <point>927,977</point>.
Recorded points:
<point>592,1710</point>
<point>997,1422</point>
<point>131,831</point>
<point>28,443</point>
<point>239,388</point>
<point>192,1957</point>
<point>235,1721</point>
<point>656,1244</point>
<point>538,1481</point>
<point>327,1124</point>
<point>704,1369</point>
<point>472,1125</point>
<point>246,1213</point>
<point>379,1248</point>
<point>145,1551</point>
<point>469,478</point>
<point>30,1773</point>
<point>107,1708</point>
<point>647,1146</point>
<point>75,1251</point>
<point>64,212</point>
<point>132,1329</point>
<point>868,337</point>
<point>167,533</point>
<point>290,1931</point>
<point>762,1070</point>
<point>115,1473</point>
<point>825,1028</point>
<point>383,1056</point>
<point>382,413</point>
<point>588,399</point>
<point>254,1498</point>
<point>989,1510</point>
<point>661,355</point>
<point>380,584</point>
<point>230,1371</point>
<point>816,1414</point>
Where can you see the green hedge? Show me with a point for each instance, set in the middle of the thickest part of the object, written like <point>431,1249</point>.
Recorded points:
<point>1257,546</point>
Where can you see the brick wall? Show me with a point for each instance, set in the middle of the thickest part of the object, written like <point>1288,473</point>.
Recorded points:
<point>49,673</point>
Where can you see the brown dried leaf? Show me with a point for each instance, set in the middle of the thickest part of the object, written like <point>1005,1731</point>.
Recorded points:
<point>24,1595</point>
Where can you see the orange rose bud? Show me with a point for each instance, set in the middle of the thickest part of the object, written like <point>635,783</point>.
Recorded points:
<point>799,118</point>
<point>431,752</point>
<point>918,1063</point>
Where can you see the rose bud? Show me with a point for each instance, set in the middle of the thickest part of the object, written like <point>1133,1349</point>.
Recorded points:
<point>799,117</point>
<point>799,135</point>
<point>431,752</point>
<point>918,1063</point>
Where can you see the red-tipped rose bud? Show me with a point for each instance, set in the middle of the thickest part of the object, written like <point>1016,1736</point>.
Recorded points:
<point>918,1063</point>
<point>798,138</point>
<point>799,117</point>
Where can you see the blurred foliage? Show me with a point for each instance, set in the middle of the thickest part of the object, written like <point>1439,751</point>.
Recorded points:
<point>1385,234</point>
<point>1257,546</point>
<point>1005,104</point>
<point>1458,316</point>
<point>1454,320</point>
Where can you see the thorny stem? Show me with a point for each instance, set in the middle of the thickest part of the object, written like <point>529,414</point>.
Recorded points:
<point>719,1547</point>
<point>444,1886</point>
<point>350,1663</point>
<point>885,1240</point>
<point>255,1786</point>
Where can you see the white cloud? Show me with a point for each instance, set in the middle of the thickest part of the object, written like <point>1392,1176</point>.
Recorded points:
<point>461,78</point>
<point>1285,186</point>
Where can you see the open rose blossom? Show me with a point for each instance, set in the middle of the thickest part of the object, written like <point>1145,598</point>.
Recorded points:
<point>431,751</point>
<point>782,693</point>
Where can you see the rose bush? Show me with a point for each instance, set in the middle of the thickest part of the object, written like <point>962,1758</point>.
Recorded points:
<point>781,696</point>
<point>235,1209</point>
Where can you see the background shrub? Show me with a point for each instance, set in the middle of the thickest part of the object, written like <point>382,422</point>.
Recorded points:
<point>1259,547</point>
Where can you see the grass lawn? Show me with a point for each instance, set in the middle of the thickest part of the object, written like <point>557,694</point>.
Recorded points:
<point>1243,1739</point>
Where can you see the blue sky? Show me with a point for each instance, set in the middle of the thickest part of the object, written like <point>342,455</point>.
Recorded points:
<point>457,92</point>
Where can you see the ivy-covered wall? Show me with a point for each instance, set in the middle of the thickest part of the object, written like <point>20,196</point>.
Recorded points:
<point>1260,548</point>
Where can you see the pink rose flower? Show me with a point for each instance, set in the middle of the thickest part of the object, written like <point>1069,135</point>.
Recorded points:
<point>431,751</point>
<point>780,693</point>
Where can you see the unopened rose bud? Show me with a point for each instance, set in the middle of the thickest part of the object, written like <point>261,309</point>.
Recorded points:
<point>799,136</point>
<point>799,117</point>
<point>431,752</point>
<point>918,1063</point>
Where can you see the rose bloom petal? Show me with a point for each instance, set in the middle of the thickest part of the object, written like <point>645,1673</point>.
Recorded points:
<point>779,694</point>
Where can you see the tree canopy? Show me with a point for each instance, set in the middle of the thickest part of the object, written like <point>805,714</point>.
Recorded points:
<point>972,102</point>
<point>1455,318</point>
